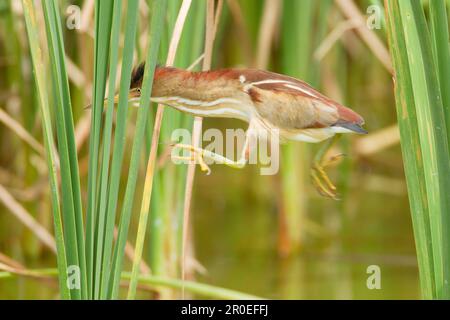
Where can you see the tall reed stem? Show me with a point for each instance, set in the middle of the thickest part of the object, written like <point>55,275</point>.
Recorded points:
<point>424,141</point>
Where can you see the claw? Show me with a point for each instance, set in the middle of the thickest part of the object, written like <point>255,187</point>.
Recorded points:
<point>321,180</point>
<point>203,166</point>
<point>196,155</point>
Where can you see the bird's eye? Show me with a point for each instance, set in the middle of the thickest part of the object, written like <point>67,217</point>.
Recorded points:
<point>139,90</point>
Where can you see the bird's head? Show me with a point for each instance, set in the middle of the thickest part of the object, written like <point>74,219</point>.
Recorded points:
<point>135,86</point>
<point>136,83</point>
<point>137,77</point>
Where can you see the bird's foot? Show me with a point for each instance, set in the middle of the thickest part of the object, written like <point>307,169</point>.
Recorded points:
<point>320,178</point>
<point>196,155</point>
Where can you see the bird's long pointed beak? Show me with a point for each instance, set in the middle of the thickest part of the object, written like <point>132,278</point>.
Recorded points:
<point>133,94</point>
<point>116,100</point>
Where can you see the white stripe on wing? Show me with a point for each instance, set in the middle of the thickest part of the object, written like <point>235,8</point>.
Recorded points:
<point>286,83</point>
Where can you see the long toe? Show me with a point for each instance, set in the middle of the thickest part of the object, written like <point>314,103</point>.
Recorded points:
<point>322,183</point>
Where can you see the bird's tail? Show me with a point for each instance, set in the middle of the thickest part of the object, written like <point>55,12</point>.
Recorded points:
<point>350,120</point>
<point>357,128</point>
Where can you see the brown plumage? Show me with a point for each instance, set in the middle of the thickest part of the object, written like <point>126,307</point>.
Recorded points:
<point>272,100</point>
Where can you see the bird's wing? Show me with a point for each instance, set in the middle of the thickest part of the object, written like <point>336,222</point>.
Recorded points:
<point>327,112</point>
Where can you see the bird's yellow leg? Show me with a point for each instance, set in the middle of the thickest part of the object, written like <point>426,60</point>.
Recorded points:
<point>201,162</point>
<point>199,155</point>
<point>319,176</point>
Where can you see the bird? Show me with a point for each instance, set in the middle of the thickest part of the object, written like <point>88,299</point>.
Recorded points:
<point>265,100</point>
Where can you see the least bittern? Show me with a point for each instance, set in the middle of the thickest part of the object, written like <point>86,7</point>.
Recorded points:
<point>265,100</point>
